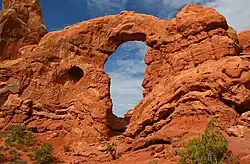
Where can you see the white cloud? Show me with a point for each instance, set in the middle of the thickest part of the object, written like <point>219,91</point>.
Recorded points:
<point>126,92</point>
<point>106,5</point>
<point>132,62</point>
<point>236,12</point>
<point>126,79</point>
<point>177,4</point>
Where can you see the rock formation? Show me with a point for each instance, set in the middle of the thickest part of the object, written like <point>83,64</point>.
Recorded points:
<point>56,83</point>
<point>244,38</point>
<point>21,25</point>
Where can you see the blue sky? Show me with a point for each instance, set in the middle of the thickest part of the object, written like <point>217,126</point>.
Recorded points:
<point>126,65</point>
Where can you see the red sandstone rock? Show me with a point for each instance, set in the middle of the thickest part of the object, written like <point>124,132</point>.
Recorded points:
<point>244,39</point>
<point>159,148</point>
<point>194,72</point>
<point>21,24</point>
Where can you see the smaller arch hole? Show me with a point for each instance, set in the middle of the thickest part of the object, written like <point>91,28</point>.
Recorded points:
<point>75,73</point>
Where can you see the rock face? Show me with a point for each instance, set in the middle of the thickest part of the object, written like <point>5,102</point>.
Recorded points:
<point>20,24</point>
<point>244,38</point>
<point>56,82</point>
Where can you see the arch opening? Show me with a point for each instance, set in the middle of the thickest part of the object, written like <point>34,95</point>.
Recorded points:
<point>75,73</point>
<point>126,69</point>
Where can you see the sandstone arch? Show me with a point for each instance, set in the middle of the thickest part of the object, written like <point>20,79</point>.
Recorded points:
<point>88,44</point>
<point>193,64</point>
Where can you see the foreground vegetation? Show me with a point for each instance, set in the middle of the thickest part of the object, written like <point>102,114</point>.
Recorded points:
<point>210,148</point>
<point>18,141</point>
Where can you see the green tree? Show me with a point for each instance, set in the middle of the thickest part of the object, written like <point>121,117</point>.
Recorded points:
<point>210,148</point>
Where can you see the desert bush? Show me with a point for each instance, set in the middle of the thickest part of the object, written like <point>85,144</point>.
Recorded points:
<point>43,154</point>
<point>19,162</point>
<point>18,137</point>
<point>111,148</point>
<point>153,162</point>
<point>17,134</point>
<point>2,156</point>
<point>66,148</point>
<point>210,148</point>
<point>13,155</point>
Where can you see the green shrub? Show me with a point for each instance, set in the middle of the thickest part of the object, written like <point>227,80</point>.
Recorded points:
<point>2,156</point>
<point>19,162</point>
<point>66,148</point>
<point>109,147</point>
<point>18,137</point>
<point>17,134</point>
<point>13,155</point>
<point>117,156</point>
<point>153,162</point>
<point>210,148</point>
<point>43,154</point>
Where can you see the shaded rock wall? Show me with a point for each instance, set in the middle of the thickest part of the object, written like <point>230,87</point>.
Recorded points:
<point>244,39</point>
<point>21,24</point>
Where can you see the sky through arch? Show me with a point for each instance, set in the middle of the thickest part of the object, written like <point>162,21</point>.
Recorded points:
<point>126,69</point>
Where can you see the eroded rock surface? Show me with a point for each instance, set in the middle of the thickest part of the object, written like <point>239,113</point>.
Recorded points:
<point>56,84</point>
<point>244,39</point>
<point>21,24</point>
